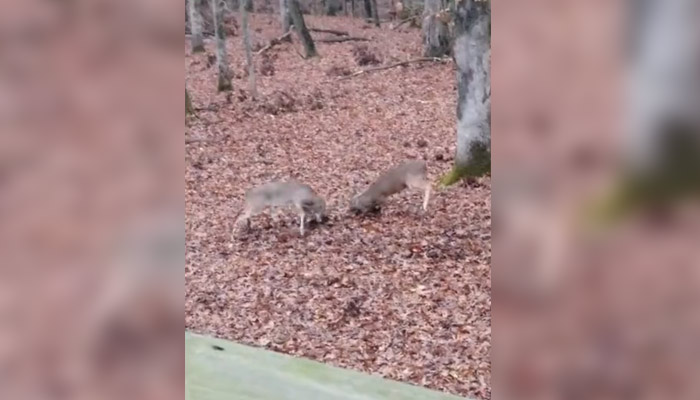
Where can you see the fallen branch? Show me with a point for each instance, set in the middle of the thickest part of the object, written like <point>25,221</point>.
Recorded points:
<point>403,22</point>
<point>398,64</point>
<point>274,42</point>
<point>197,140</point>
<point>332,31</point>
<point>342,39</point>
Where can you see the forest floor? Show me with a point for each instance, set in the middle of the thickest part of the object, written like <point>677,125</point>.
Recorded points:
<point>403,294</point>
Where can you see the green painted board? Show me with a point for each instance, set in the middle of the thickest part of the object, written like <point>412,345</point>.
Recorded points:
<point>241,372</point>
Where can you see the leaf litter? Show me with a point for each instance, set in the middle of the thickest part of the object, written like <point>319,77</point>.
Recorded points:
<point>403,294</point>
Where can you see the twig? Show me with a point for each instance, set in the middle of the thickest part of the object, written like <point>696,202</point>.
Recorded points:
<point>403,22</point>
<point>342,39</point>
<point>398,64</point>
<point>332,31</point>
<point>197,140</point>
<point>273,43</point>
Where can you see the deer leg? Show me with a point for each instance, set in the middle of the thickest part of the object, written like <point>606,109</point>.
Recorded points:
<point>426,197</point>
<point>301,222</point>
<point>245,217</point>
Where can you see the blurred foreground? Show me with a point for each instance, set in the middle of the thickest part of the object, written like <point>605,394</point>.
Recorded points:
<point>596,258</point>
<point>92,242</point>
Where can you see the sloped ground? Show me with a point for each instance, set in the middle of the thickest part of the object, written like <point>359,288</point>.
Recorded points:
<point>404,294</point>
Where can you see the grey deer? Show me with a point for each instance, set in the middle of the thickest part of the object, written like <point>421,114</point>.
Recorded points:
<point>410,174</point>
<point>283,194</point>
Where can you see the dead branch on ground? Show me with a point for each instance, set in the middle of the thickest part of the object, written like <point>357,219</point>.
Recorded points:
<point>331,31</point>
<point>343,39</point>
<point>403,22</point>
<point>398,64</point>
<point>274,42</point>
<point>197,140</point>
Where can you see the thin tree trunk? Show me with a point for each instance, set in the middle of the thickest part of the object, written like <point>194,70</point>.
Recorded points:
<point>285,17</point>
<point>368,9</point>
<point>248,5</point>
<point>332,7</point>
<point>189,110</point>
<point>224,83</point>
<point>436,35</point>
<point>197,39</point>
<point>375,13</point>
<point>302,31</point>
<point>248,52</point>
<point>473,58</point>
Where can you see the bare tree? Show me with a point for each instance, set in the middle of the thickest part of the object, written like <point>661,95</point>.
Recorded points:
<point>221,54</point>
<point>302,31</point>
<point>436,35</point>
<point>285,16</point>
<point>189,110</point>
<point>375,13</point>
<point>248,51</point>
<point>368,9</point>
<point>332,7</point>
<point>197,38</point>
<point>662,162</point>
<point>473,57</point>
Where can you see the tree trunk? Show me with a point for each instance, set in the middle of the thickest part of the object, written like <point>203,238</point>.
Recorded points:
<point>332,7</point>
<point>436,35</point>
<point>224,83</point>
<point>197,39</point>
<point>248,5</point>
<point>189,110</point>
<point>368,9</point>
<point>285,16</point>
<point>302,31</point>
<point>375,13</point>
<point>248,51</point>
<point>473,58</point>
<point>663,155</point>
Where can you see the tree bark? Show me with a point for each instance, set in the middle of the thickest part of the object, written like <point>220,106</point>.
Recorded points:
<point>436,35</point>
<point>375,13</point>
<point>197,39</point>
<point>285,17</point>
<point>189,110</point>
<point>224,83</point>
<point>473,58</point>
<point>368,9</point>
<point>248,52</point>
<point>662,162</point>
<point>302,31</point>
<point>332,7</point>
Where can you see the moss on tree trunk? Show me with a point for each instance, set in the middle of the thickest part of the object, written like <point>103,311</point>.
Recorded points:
<point>479,165</point>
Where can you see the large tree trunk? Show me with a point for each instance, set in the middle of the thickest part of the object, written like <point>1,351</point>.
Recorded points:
<point>301,29</point>
<point>285,16</point>
<point>436,34</point>
<point>473,57</point>
<point>663,159</point>
<point>248,51</point>
<point>197,39</point>
<point>221,54</point>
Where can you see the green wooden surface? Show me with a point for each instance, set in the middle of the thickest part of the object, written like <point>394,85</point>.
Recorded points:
<point>246,373</point>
